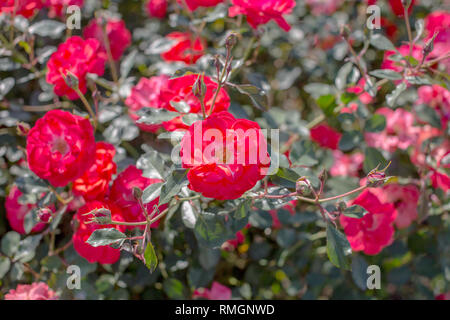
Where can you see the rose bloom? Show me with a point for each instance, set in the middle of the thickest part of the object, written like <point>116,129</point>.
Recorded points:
<point>325,136</point>
<point>440,179</point>
<point>16,212</point>
<point>346,165</point>
<point>57,8</point>
<point>147,93</point>
<point>217,292</point>
<point>186,48</point>
<point>60,147</point>
<point>159,92</point>
<point>34,291</point>
<point>324,7</point>
<point>94,183</point>
<point>229,166</point>
<point>122,195</point>
<point>438,98</point>
<point>443,296</point>
<point>157,8</point>
<point>119,37</point>
<point>424,133</point>
<point>76,56</point>
<point>403,198</point>
<point>439,22</point>
<point>25,8</point>
<point>262,11</point>
<point>375,230</point>
<point>399,133</point>
<point>101,254</point>
<point>194,4</point>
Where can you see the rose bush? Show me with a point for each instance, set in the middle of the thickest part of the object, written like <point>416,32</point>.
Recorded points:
<point>224,149</point>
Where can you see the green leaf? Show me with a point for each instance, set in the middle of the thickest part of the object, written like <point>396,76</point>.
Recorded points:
<point>381,42</point>
<point>350,140</point>
<point>428,114</point>
<point>338,247</point>
<point>359,272</point>
<point>188,215</point>
<point>210,230</point>
<point>127,64</point>
<point>392,97</point>
<point>376,123</point>
<point>5,263</point>
<point>10,243</point>
<point>104,237</point>
<point>327,103</point>
<point>151,192</point>
<point>152,165</point>
<point>5,86</point>
<point>424,80</point>
<point>240,215</point>
<point>386,74</point>
<point>173,288</point>
<point>47,28</point>
<point>372,158</point>
<point>346,74</point>
<point>355,211</point>
<point>151,260</point>
<point>257,96</point>
<point>27,248</point>
<point>318,89</point>
<point>160,45</point>
<point>156,116</point>
<point>176,180</point>
<point>181,106</point>
<point>303,153</point>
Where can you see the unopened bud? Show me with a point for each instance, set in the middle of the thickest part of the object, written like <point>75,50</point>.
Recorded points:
<point>231,40</point>
<point>376,177</point>
<point>22,128</point>
<point>137,193</point>
<point>71,80</point>
<point>302,186</point>
<point>428,48</point>
<point>45,215</point>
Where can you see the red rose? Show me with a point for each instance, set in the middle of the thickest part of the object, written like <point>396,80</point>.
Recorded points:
<point>78,57</point>
<point>119,37</point>
<point>147,93</point>
<point>158,92</point>
<point>194,4</point>
<point>25,8</point>
<point>57,8</point>
<point>187,48</point>
<point>122,195</point>
<point>325,136</point>
<point>261,12</point>
<point>404,51</point>
<point>102,254</point>
<point>157,8</point>
<point>375,230</point>
<point>217,292</point>
<point>230,165</point>
<point>16,212</point>
<point>94,183</point>
<point>60,147</point>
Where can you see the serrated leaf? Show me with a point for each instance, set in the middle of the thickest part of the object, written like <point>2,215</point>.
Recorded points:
<point>155,116</point>
<point>127,64</point>
<point>151,192</point>
<point>381,42</point>
<point>257,96</point>
<point>181,106</point>
<point>350,140</point>
<point>47,28</point>
<point>359,272</point>
<point>210,230</point>
<point>338,247</point>
<point>428,114</point>
<point>392,97</point>
<point>151,259</point>
<point>386,74</point>
<point>104,237</point>
<point>5,264</point>
<point>355,211</point>
<point>175,181</point>
<point>10,243</point>
<point>327,103</point>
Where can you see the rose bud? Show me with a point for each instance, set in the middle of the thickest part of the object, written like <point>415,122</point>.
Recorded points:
<point>45,215</point>
<point>22,128</point>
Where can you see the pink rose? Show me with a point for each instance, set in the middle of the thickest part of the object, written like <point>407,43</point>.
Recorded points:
<point>346,165</point>
<point>34,291</point>
<point>217,292</point>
